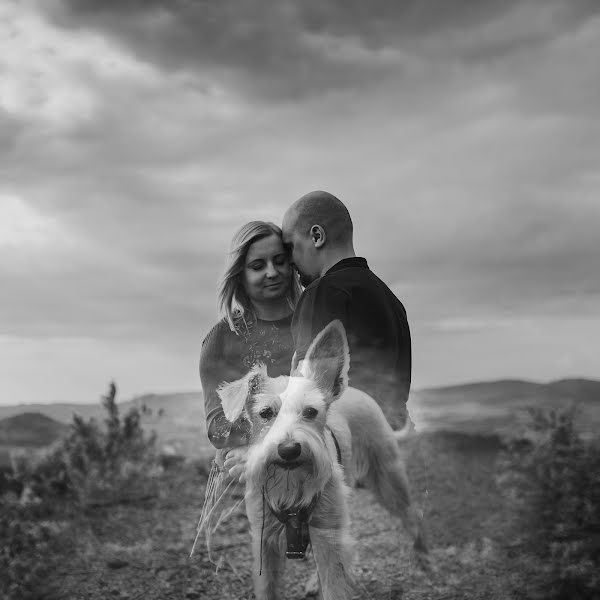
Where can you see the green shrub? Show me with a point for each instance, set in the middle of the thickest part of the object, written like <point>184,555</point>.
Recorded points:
<point>42,475</point>
<point>552,480</point>
<point>95,464</point>
<point>27,553</point>
<point>114,463</point>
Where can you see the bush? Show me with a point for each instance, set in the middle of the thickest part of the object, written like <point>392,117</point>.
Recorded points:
<point>92,465</point>
<point>27,553</point>
<point>553,483</point>
<point>114,463</point>
<point>42,475</point>
<point>95,464</point>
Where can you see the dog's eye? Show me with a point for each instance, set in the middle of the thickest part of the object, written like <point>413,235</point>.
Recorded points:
<point>309,412</point>
<point>266,413</point>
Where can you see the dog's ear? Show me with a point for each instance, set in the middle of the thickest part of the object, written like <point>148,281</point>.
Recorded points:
<point>236,394</point>
<point>327,360</point>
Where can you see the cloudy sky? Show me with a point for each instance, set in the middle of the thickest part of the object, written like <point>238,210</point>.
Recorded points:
<point>135,137</point>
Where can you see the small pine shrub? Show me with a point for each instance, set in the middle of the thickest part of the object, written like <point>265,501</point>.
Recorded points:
<point>114,463</point>
<point>43,475</point>
<point>94,464</point>
<point>552,482</point>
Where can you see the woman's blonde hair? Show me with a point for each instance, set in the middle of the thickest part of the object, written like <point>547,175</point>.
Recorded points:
<point>233,303</point>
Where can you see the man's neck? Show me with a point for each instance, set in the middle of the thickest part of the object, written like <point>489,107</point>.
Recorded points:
<point>334,257</point>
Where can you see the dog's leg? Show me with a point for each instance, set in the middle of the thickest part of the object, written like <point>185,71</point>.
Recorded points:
<point>333,555</point>
<point>312,587</point>
<point>268,549</point>
<point>387,478</point>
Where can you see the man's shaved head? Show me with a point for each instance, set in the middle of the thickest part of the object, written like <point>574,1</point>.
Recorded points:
<point>324,209</point>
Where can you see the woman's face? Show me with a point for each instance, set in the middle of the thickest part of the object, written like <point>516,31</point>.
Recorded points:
<point>267,270</point>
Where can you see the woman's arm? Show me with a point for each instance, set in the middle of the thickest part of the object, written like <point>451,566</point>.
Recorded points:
<point>215,368</point>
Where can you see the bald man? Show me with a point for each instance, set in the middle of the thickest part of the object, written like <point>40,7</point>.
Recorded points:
<point>317,229</point>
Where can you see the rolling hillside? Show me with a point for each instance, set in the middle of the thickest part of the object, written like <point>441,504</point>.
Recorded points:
<point>483,408</point>
<point>27,431</point>
<point>30,430</point>
<point>177,419</point>
<point>500,406</point>
<point>188,403</point>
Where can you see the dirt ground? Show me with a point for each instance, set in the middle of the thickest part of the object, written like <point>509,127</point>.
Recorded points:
<point>142,551</point>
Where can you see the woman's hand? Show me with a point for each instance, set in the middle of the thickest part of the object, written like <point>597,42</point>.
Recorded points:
<point>235,463</point>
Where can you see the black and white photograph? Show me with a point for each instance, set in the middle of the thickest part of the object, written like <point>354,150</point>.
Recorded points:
<point>300,299</point>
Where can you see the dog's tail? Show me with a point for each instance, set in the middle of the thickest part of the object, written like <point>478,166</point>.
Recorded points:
<point>408,432</point>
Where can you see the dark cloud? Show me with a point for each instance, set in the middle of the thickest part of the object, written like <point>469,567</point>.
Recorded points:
<point>10,131</point>
<point>139,135</point>
<point>291,50</point>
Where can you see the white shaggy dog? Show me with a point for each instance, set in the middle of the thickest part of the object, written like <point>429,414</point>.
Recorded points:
<point>303,427</point>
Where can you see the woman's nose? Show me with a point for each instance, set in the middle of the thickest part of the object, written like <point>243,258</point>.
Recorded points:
<point>271,270</point>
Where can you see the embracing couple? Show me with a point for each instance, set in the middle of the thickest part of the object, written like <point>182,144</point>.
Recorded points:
<point>266,316</point>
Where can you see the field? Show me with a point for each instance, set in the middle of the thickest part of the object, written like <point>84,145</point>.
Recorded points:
<point>139,548</point>
<point>142,550</point>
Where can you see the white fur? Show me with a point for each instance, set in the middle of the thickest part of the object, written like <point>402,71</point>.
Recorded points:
<point>369,450</point>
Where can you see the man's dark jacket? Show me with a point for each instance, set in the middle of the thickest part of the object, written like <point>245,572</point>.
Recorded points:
<point>376,327</point>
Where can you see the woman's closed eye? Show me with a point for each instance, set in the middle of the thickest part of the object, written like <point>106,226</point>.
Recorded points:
<point>256,265</point>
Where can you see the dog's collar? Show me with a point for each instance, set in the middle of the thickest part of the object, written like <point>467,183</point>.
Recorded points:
<point>337,446</point>
<point>296,527</point>
<point>296,519</point>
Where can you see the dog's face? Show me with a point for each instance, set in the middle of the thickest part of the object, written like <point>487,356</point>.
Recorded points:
<point>289,456</point>
<point>256,397</point>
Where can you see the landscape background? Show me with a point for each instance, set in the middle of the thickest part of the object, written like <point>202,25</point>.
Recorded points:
<point>137,137</point>
<point>473,468</point>
<point>495,408</point>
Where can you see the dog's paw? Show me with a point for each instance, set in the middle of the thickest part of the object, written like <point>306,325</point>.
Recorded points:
<point>311,590</point>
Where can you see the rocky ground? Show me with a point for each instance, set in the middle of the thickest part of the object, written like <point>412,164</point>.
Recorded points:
<point>142,550</point>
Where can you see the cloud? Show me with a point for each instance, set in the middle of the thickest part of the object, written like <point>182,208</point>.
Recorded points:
<point>137,137</point>
<point>292,50</point>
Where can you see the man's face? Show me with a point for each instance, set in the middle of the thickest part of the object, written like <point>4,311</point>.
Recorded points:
<point>302,251</point>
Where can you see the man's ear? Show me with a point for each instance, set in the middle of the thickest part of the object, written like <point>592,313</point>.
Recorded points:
<point>235,395</point>
<point>318,236</point>
<point>327,361</point>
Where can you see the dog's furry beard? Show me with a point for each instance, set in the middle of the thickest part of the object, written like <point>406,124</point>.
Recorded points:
<point>286,487</point>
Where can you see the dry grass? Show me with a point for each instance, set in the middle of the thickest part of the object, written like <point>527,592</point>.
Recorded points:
<point>142,550</point>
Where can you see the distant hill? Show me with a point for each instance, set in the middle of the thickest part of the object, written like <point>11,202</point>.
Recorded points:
<point>177,419</point>
<point>184,403</point>
<point>481,408</point>
<point>501,406</point>
<point>30,430</point>
<point>27,432</point>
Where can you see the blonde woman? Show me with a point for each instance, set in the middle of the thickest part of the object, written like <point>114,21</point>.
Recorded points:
<point>256,300</point>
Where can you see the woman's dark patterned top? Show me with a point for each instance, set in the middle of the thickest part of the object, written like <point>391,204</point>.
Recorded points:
<point>227,356</point>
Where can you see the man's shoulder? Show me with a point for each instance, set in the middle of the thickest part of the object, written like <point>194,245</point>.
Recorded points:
<point>324,287</point>
<point>363,287</point>
<point>352,276</point>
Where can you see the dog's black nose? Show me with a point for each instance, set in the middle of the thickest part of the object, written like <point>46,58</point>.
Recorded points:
<point>289,450</point>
